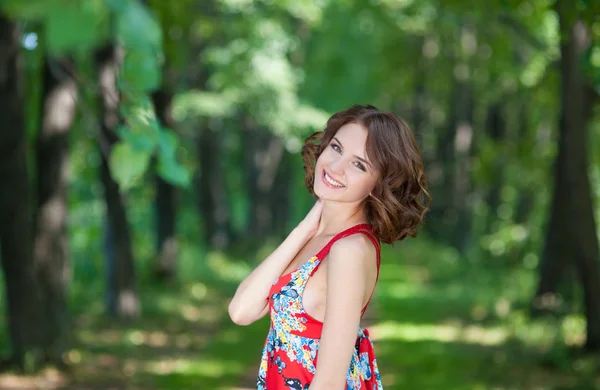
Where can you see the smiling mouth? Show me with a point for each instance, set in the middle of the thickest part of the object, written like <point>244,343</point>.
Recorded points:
<point>331,182</point>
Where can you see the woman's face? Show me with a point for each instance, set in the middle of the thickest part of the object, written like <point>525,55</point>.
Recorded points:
<point>343,173</point>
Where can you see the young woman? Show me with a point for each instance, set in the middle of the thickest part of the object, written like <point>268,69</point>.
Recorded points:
<point>366,172</point>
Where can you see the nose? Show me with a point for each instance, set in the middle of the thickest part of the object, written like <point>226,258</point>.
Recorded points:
<point>337,166</point>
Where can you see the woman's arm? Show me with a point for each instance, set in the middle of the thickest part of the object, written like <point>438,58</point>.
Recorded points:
<point>349,266</point>
<point>250,300</point>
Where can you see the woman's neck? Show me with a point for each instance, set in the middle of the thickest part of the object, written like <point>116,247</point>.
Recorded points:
<point>337,217</point>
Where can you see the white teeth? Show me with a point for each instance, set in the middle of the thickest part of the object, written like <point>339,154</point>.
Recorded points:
<point>331,181</point>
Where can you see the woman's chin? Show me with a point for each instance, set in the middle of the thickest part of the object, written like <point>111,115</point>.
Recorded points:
<point>326,194</point>
<point>322,194</point>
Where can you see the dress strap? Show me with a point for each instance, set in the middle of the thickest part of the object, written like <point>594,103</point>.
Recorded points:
<point>360,228</point>
<point>363,228</point>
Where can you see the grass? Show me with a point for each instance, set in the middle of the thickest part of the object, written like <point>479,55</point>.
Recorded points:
<point>438,322</point>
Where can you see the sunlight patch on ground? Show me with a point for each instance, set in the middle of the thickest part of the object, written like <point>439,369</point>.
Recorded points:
<point>471,334</point>
<point>48,379</point>
<point>156,339</point>
<point>101,337</point>
<point>208,368</point>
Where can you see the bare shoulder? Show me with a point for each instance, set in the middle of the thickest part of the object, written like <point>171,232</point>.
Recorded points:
<point>354,250</point>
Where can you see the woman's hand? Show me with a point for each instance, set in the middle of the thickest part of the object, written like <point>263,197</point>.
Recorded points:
<point>310,223</point>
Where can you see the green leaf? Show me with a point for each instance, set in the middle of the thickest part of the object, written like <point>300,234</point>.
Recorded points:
<point>168,166</point>
<point>137,28</point>
<point>141,71</point>
<point>139,114</point>
<point>75,25</point>
<point>128,164</point>
<point>117,5</point>
<point>143,141</point>
<point>27,10</point>
<point>167,143</point>
<point>194,103</point>
<point>172,171</point>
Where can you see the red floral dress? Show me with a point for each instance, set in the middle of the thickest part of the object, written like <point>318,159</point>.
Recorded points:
<point>289,357</point>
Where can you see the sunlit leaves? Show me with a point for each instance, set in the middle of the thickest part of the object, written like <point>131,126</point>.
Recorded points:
<point>145,137</point>
<point>71,26</point>
<point>128,164</point>
<point>130,158</point>
<point>142,141</point>
<point>143,52</point>
<point>195,103</point>
<point>140,71</point>
<point>309,11</point>
<point>67,25</point>
<point>136,27</point>
<point>252,70</point>
<point>168,166</point>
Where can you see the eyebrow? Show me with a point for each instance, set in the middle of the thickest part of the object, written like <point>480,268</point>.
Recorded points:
<point>360,158</point>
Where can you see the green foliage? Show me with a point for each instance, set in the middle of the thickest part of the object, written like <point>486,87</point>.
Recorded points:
<point>140,72</point>
<point>81,26</point>
<point>168,167</point>
<point>127,164</point>
<point>75,25</point>
<point>133,18</point>
<point>282,67</point>
<point>28,10</point>
<point>143,52</point>
<point>144,136</point>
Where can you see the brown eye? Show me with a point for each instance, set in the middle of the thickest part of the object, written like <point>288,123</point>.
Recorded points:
<point>336,148</point>
<point>361,167</point>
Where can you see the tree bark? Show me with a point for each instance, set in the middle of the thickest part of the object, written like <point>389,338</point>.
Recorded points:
<point>526,194</point>
<point>51,250</point>
<point>263,155</point>
<point>165,202</point>
<point>212,189</point>
<point>122,295</point>
<point>462,143</point>
<point>571,238</point>
<point>450,218</point>
<point>281,195</point>
<point>16,250</point>
<point>496,128</point>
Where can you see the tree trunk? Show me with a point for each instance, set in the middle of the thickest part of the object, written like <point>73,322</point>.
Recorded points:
<point>462,185</point>
<point>212,190</point>
<point>263,156</point>
<point>526,194</point>
<point>281,194</point>
<point>51,250</point>
<point>496,128</point>
<point>123,300</point>
<point>571,236</point>
<point>16,250</point>
<point>165,202</point>
<point>450,218</point>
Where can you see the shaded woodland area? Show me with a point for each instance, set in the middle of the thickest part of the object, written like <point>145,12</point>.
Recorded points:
<point>149,158</point>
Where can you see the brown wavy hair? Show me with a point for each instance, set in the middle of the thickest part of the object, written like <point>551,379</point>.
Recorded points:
<point>398,203</point>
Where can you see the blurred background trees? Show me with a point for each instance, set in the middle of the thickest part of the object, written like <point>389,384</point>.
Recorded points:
<point>149,157</point>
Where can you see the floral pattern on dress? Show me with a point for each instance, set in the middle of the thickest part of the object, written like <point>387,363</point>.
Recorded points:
<point>289,356</point>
